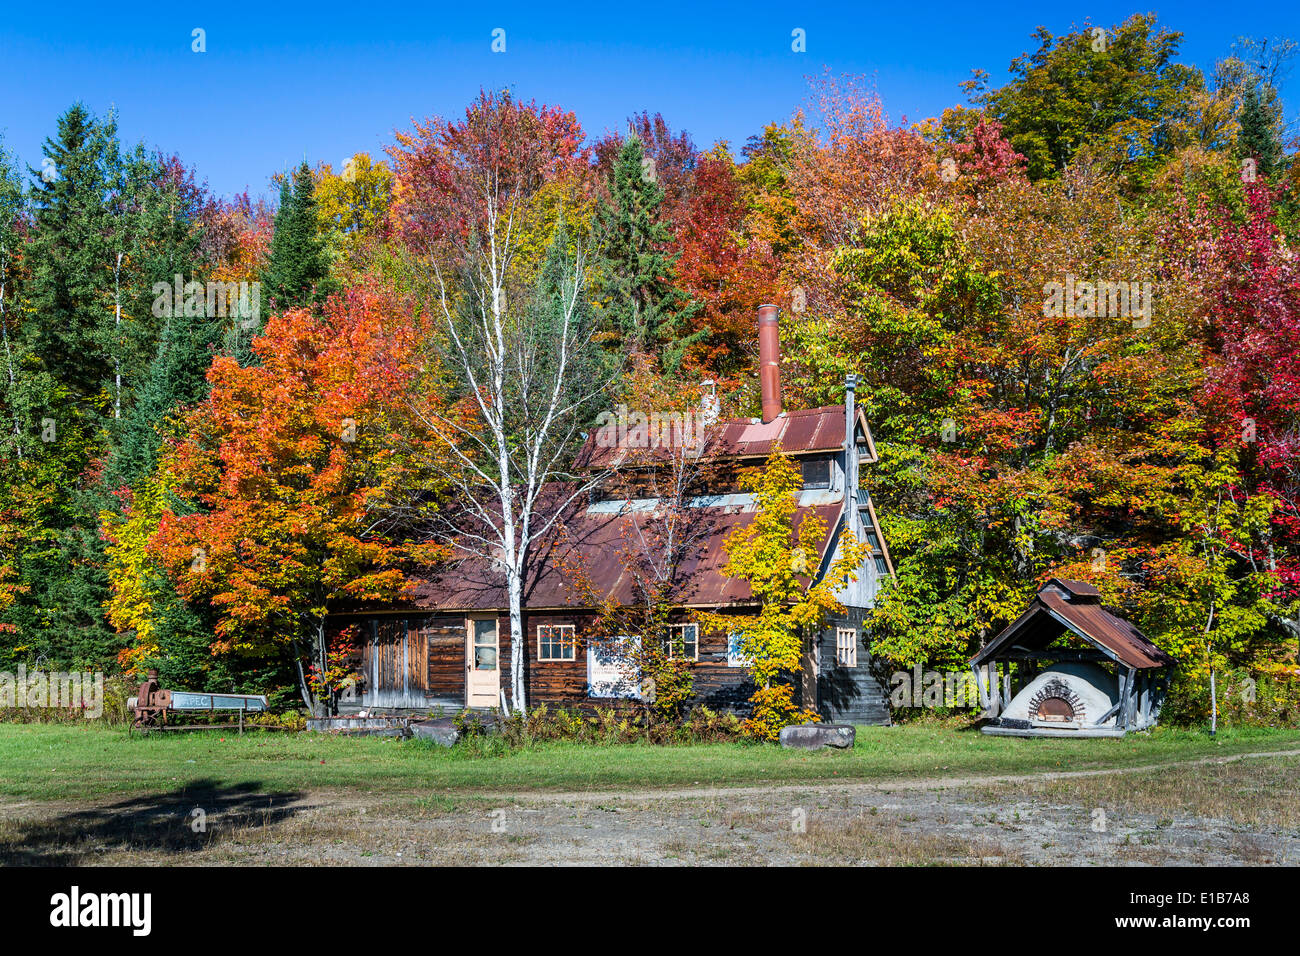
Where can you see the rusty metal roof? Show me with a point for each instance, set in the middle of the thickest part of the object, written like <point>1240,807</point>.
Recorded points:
<point>800,432</point>
<point>593,544</point>
<point>1062,605</point>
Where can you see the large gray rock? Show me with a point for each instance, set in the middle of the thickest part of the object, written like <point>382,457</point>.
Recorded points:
<point>817,736</point>
<point>441,731</point>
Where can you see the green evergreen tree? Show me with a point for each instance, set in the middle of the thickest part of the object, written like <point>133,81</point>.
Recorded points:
<point>14,409</point>
<point>70,373</point>
<point>641,310</point>
<point>176,377</point>
<point>106,225</point>
<point>1258,138</point>
<point>70,253</point>
<point>297,269</point>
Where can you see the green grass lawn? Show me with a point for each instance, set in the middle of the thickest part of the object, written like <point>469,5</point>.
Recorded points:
<point>72,762</point>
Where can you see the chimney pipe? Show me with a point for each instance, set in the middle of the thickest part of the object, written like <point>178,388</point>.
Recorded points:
<point>769,361</point>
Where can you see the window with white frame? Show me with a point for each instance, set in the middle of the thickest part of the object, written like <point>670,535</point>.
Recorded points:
<point>846,646</point>
<point>683,642</point>
<point>556,642</point>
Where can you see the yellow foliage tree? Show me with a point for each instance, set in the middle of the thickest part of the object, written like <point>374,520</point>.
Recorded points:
<point>778,555</point>
<point>136,580</point>
<point>354,201</point>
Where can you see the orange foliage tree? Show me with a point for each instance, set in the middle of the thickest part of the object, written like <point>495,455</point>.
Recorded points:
<point>298,476</point>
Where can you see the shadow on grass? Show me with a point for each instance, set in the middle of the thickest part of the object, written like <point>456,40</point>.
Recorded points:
<point>149,824</point>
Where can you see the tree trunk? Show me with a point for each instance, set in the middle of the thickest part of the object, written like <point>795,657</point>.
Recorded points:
<point>517,645</point>
<point>1214,706</point>
<point>323,658</point>
<point>303,688</point>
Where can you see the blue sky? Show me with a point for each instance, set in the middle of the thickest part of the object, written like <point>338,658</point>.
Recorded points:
<point>322,80</point>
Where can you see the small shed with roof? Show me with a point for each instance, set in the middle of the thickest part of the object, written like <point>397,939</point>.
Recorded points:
<point>1085,671</point>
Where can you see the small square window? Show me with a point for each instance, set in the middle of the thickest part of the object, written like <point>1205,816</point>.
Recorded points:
<point>816,472</point>
<point>683,642</point>
<point>846,646</point>
<point>556,642</point>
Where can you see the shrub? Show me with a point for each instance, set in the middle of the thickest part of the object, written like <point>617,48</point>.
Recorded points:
<point>115,713</point>
<point>774,708</point>
<point>289,720</point>
<point>1245,698</point>
<point>603,725</point>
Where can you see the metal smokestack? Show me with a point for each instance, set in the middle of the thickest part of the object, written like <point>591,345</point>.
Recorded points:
<point>769,361</point>
<point>851,450</point>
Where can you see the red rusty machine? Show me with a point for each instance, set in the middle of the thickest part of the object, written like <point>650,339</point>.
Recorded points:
<point>152,703</point>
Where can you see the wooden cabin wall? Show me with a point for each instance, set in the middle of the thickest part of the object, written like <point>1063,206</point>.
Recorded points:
<point>849,695</point>
<point>556,683</point>
<point>436,649</point>
<point>717,685</point>
<point>565,683</point>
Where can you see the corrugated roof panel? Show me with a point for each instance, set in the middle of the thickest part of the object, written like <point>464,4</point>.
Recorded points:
<point>1082,613</point>
<point>800,432</point>
<point>593,544</point>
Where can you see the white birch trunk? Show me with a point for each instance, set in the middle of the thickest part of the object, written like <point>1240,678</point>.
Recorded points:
<point>117,329</point>
<point>499,470</point>
<point>517,644</point>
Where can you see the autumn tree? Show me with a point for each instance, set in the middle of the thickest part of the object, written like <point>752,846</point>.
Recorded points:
<point>1118,91</point>
<point>296,474</point>
<point>726,263</point>
<point>353,203</point>
<point>515,337</point>
<point>1250,282</point>
<point>778,554</point>
<point>1209,602</point>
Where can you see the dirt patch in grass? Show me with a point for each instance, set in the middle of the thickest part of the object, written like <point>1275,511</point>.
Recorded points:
<point>1253,793</point>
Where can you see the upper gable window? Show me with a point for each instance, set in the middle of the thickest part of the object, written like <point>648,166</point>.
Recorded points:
<point>816,473</point>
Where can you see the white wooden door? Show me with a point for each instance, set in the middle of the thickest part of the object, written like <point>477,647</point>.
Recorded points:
<point>482,663</point>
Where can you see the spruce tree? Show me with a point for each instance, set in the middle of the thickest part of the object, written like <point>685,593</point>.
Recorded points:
<point>14,405</point>
<point>297,270</point>
<point>70,252</point>
<point>1258,138</point>
<point>106,226</point>
<point>641,310</point>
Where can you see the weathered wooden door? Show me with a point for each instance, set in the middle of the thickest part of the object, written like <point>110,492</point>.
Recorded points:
<point>482,663</point>
<point>396,664</point>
